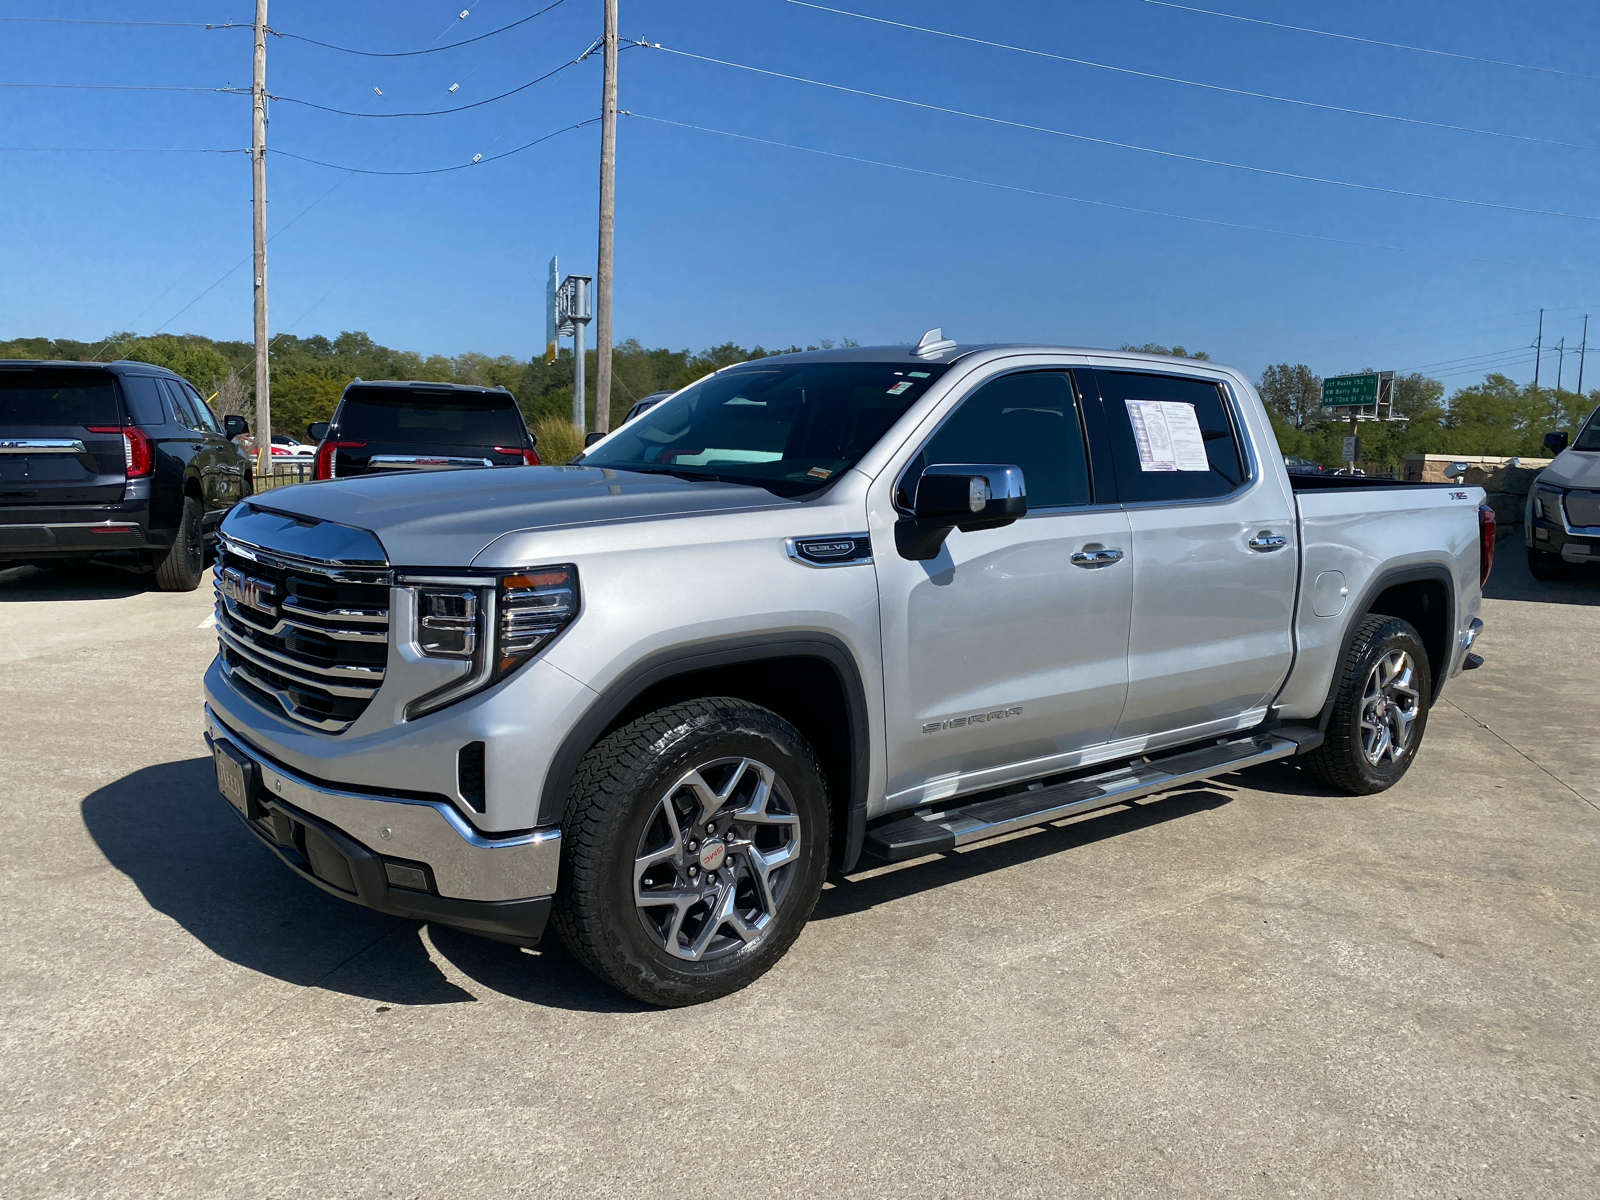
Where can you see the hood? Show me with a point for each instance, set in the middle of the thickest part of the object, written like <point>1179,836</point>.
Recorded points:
<point>446,518</point>
<point>1573,469</point>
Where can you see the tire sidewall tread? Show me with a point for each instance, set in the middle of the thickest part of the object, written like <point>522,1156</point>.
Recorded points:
<point>613,793</point>
<point>1340,761</point>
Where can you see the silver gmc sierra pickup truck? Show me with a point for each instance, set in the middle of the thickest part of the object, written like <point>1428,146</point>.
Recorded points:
<point>884,601</point>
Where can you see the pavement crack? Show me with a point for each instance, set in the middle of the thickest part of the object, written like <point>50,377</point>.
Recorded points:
<point>1511,745</point>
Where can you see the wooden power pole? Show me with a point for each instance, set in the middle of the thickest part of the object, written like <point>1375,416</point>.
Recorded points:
<point>608,209</point>
<point>258,171</point>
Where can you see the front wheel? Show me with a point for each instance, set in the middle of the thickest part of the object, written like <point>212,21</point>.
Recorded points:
<point>693,850</point>
<point>1549,568</point>
<point>1379,711</point>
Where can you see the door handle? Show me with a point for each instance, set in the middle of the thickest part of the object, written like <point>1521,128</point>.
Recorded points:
<point>1265,541</point>
<point>1096,558</point>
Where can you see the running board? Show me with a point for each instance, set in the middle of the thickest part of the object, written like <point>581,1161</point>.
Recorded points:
<point>940,832</point>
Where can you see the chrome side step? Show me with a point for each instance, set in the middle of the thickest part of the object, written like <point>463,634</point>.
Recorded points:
<point>939,832</point>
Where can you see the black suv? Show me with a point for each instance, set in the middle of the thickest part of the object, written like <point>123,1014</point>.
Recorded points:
<point>406,426</point>
<point>119,460</point>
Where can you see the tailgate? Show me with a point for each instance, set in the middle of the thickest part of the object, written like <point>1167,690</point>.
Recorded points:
<point>60,437</point>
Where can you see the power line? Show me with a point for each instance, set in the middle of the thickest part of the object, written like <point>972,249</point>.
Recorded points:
<point>1082,137</point>
<point>129,87</point>
<point>413,53</point>
<point>438,112</point>
<point>476,162</point>
<point>87,21</point>
<point>1210,87</point>
<point>121,150</point>
<point>1149,212</point>
<point>1346,37</point>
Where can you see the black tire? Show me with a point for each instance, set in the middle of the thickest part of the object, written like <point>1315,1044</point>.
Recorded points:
<point>1547,567</point>
<point>184,563</point>
<point>1345,760</point>
<point>616,812</point>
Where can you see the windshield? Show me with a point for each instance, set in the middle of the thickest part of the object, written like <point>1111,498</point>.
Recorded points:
<point>1589,437</point>
<point>431,417</point>
<point>786,427</point>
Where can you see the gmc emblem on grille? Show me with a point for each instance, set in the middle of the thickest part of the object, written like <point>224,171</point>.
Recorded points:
<point>249,591</point>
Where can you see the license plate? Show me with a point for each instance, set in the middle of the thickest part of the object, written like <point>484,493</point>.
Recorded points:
<point>235,775</point>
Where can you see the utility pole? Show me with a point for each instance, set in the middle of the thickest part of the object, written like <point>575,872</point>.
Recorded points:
<point>1561,358</point>
<point>608,208</point>
<point>1538,349</point>
<point>258,171</point>
<point>1581,350</point>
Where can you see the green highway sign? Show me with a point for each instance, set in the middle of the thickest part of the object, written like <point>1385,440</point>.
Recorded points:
<point>1348,391</point>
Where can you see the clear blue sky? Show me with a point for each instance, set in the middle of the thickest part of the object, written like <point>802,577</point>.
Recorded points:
<point>720,238</point>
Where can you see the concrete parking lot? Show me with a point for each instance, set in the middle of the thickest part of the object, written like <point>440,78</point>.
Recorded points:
<point>1253,987</point>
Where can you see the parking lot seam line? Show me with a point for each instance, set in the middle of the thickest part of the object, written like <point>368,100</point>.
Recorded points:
<point>1535,762</point>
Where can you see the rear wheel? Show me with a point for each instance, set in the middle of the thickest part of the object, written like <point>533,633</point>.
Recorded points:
<point>1379,711</point>
<point>185,561</point>
<point>693,850</point>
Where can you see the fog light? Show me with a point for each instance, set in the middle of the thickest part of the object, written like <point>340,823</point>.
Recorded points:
<point>406,875</point>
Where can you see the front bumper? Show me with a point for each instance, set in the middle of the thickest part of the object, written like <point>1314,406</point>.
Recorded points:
<point>356,845</point>
<point>1552,533</point>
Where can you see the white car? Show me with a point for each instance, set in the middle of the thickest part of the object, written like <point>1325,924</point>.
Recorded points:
<point>287,449</point>
<point>1563,519</point>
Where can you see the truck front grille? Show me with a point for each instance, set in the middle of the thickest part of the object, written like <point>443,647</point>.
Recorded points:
<point>307,636</point>
<point>1583,509</point>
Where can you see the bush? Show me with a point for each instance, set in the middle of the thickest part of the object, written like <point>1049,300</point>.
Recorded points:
<point>558,441</point>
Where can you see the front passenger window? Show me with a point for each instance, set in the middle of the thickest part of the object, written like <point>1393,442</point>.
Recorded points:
<point>1029,420</point>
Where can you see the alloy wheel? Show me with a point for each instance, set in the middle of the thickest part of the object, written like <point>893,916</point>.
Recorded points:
<point>714,861</point>
<point>1390,702</point>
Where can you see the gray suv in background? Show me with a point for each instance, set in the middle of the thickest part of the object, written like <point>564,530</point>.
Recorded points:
<point>876,601</point>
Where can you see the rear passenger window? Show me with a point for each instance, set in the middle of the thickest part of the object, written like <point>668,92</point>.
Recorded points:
<point>144,397</point>
<point>1171,438</point>
<point>178,405</point>
<point>1029,420</point>
<point>202,410</point>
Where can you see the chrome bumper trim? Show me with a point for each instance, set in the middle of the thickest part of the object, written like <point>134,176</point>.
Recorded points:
<point>466,865</point>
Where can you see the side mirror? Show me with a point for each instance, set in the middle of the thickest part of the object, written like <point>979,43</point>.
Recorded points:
<point>318,430</point>
<point>1556,442</point>
<point>233,426</point>
<point>965,496</point>
<point>590,439</point>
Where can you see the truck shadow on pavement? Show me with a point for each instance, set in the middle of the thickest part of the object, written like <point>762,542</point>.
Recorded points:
<point>19,584</point>
<point>853,895</point>
<point>167,829</point>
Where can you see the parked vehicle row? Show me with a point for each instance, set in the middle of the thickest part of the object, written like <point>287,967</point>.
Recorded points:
<point>877,601</point>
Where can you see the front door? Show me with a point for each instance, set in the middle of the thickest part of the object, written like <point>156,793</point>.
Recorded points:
<point>1214,559</point>
<point>1006,656</point>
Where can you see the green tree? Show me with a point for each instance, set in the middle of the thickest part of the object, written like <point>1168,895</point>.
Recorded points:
<point>1169,351</point>
<point>1294,393</point>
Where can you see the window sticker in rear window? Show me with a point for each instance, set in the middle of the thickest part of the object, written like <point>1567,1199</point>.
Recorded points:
<point>1168,434</point>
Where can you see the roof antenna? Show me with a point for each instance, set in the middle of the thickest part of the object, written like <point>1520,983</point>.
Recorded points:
<point>933,344</point>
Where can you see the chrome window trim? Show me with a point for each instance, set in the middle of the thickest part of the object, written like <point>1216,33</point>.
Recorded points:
<point>1248,460</point>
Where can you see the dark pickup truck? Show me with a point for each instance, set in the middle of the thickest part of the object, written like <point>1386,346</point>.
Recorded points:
<point>120,461</point>
<point>406,425</point>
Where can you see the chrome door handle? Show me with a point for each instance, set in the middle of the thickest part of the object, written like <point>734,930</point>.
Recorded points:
<point>1096,558</point>
<point>1265,541</point>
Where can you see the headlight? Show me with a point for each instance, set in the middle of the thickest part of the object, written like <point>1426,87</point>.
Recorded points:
<point>494,622</point>
<point>1547,504</point>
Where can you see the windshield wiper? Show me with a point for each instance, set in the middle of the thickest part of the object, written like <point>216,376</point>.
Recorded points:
<point>694,476</point>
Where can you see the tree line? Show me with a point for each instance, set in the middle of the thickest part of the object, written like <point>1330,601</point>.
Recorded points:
<point>1494,417</point>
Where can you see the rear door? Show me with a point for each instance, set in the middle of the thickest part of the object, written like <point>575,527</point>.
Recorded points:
<point>1214,557</point>
<point>60,437</point>
<point>187,440</point>
<point>223,463</point>
<point>415,428</point>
